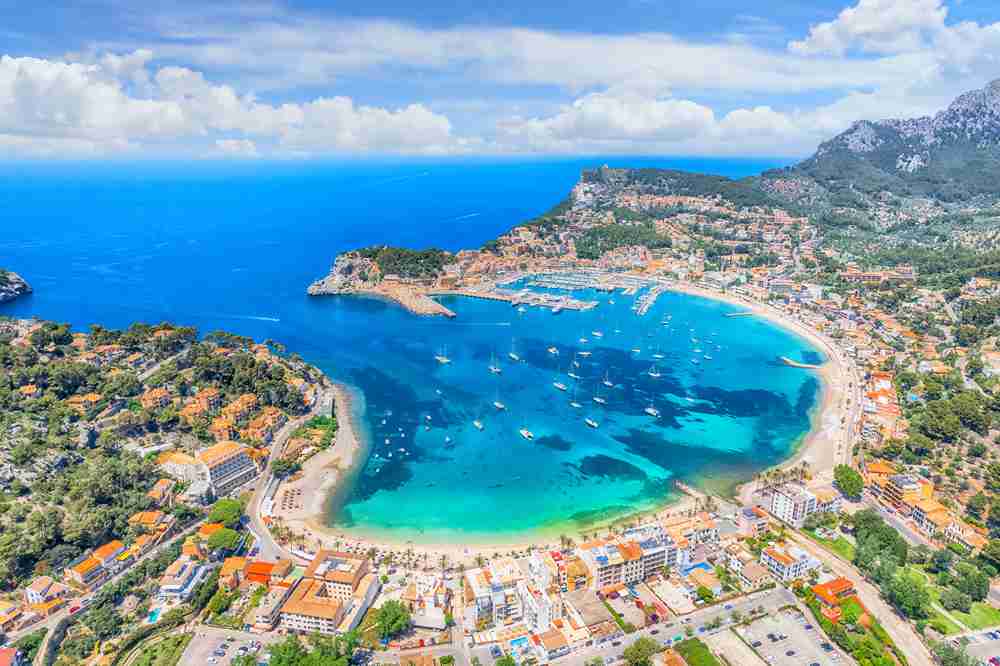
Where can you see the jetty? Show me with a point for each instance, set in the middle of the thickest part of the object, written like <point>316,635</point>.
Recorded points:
<point>796,364</point>
<point>521,297</point>
<point>648,300</point>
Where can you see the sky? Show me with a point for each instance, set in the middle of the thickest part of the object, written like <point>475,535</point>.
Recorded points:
<point>300,79</point>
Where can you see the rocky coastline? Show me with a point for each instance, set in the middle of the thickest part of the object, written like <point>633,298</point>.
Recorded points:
<point>12,286</point>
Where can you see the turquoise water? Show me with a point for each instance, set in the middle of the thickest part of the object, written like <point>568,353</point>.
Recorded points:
<point>234,246</point>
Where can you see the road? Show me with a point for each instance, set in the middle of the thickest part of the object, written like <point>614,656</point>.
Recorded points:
<point>53,619</point>
<point>268,549</point>
<point>898,628</point>
<point>909,532</point>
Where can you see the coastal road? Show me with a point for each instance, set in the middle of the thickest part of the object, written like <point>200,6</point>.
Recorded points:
<point>898,628</point>
<point>268,549</point>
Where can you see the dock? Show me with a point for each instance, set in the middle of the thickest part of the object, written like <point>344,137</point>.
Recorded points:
<point>522,297</point>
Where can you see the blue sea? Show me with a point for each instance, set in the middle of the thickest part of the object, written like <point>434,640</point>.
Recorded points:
<point>233,246</point>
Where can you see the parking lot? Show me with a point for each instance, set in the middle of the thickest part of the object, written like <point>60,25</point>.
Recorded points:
<point>984,645</point>
<point>789,638</point>
<point>206,643</point>
<point>728,645</point>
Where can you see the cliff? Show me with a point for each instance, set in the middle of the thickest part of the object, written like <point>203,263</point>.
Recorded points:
<point>12,286</point>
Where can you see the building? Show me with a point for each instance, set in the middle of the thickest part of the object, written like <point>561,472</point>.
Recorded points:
<point>787,563</point>
<point>491,595</point>
<point>753,576</point>
<point>267,615</point>
<point>86,574</point>
<point>11,657</point>
<point>830,595</point>
<point>541,607</point>
<point>828,500</point>
<point>932,517</point>
<point>180,578</point>
<point>227,466</point>
<point>332,596</point>
<point>44,590</point>
<point>903,491</point>
<point>162,493</point>
<point>752,521</point>
<point>789,503</point>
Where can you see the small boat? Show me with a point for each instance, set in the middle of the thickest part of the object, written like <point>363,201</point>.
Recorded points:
<point>527,434</point>
<point>707,357</point>
<point>560,386</point>
<point>592,423</point>
<point>427,416</point>
<point>438,391</point>
<point>599,400</point>
<point>597,334</point>
<point>575,405</point>
<point>447,440</point>
<point>611,301</point>
<point>654,373</point>
<point>442,359</point>
<point>521,309</point>
<point>657,355</point>
<point>584,341</point>
<point>696,350</point>
<point>585,354</point>
<point>514,357</point>
<point>695,361</point>
<point>573,375</point>
<point>499,405</point>
<point>653,411</point>
<point>478,424</point>
<point>494,367</point>
<point>553,351</point>
<point>607,381</point>
<point>636,350</point>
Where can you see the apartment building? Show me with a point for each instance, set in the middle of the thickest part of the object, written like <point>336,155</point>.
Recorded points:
<point>789,503</point>
<point>787,563</point>
<point>490,593</point>
<point>227,466</point>
<point>332,596</point>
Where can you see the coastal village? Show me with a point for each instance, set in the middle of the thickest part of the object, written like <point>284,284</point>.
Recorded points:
<point>876,544</point>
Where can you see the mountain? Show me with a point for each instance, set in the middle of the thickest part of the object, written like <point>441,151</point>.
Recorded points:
<point>950,158</point>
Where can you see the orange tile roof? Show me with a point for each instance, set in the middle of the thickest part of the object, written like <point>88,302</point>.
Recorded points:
<point>219,453</point>
<point>108,549</point>
<point>208,529</point>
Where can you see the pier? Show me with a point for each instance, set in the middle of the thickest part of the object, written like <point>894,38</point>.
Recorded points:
<point>522,297</point>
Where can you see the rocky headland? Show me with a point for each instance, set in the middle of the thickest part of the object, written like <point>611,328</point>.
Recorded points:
<point>12,286</point>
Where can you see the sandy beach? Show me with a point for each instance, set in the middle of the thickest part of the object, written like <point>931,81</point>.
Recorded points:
<point>325,472</point>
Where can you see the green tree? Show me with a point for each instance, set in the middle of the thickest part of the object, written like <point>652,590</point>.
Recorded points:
<point>952,599</point>
<point>910,596</point>
<point>505,660</point>
<point>224,539</point>
<point>640,653</point>
<point>392,619</point>
<point>227,512</point>
<point>848,480</point>
<point>949,655</point>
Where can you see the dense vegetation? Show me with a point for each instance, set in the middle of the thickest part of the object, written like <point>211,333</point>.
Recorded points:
<point>597,240</point>
<point>410,264</point>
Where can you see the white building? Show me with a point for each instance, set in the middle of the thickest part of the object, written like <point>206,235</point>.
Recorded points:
<point>790,503</point>
<point>787,563</point>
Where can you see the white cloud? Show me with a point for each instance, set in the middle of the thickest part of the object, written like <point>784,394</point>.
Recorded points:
<point>875,26</point>
<point>114,103</point>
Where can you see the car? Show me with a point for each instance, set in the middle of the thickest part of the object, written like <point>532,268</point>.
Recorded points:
<point>212,660</point>
<point>827,647</point>
<point>756,644</point>
<point>809,626</point>
<point>495,652</point>
<point>815,663</point>
<point>219,653</point>
<point>616,643</point>
<point>655,631</point>
<point>728,606</point>
<point>790,653</point>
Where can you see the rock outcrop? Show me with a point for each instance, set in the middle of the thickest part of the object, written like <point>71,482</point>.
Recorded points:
<point>12,286</point>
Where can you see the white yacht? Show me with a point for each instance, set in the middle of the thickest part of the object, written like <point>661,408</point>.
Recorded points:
<point>653,411</point>
<point>478,424</point>
<point>560,386</point>
<point>591,422</point>
<point>527,434</point>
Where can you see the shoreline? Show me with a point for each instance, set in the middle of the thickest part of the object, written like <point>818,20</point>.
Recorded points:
<point>322,477</point>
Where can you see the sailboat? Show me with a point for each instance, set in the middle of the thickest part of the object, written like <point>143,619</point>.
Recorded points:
<point>599,399</point>
<point>654,372</point>
<point>607,380</point>
<point>496,402</point>
<point>527,434</point>
<point>585,354</point>
<point>592,423</point>
<point>559,385</point>
<point>478,424</point>
<point>652,411</point>
<point>442,356</point>
<point>597,334</point>
<point>513,354</point>
<point>554,351</point>
<point>573,403</point>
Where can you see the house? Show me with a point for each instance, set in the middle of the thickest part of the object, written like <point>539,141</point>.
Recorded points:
<point>554,644</point>
<point>43,590</point>
<point>10,656</point>
<point>162,492</point>
<point>931,517</point>
<point>698,578</point>
<point>753,575</point>
<point>752,521</point>
<point>787,563</point>
<point>156,522</point>
<point>828,500</point>
<point>82,404</point>
<point>87,573</point>
<point>155,398</point>
<point>180,579</point>
<point>231,573</point>
<point>830,595</point>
